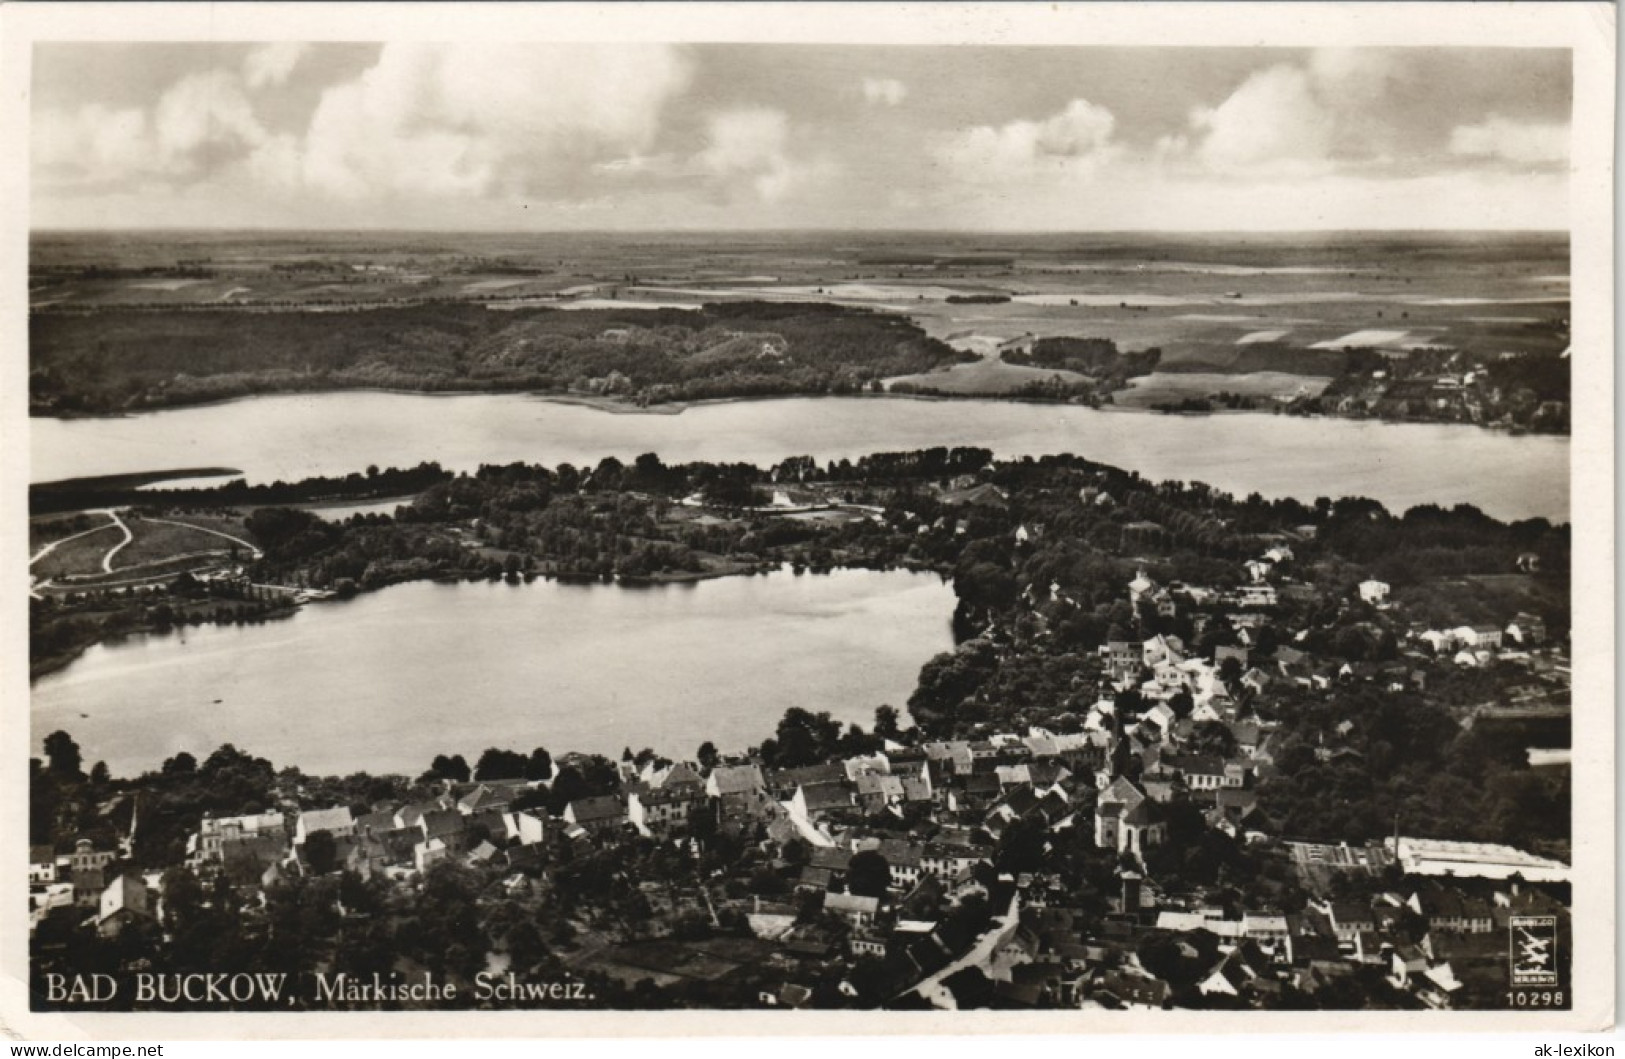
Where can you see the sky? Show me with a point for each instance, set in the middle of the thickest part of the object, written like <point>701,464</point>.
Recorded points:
<point>524,136</point>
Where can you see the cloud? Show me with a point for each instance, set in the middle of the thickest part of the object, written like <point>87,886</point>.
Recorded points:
<point>201,123</point>
<point>884,91</point>
<point>1512,141</point>
<point>489,119</point>
<point>1072,143</point>
<point>1274,120</point>
<point>750,145</point>
<point>92,143</point>
<point>270,64</point>
<point>1350,78</point>
<point>204,110</point>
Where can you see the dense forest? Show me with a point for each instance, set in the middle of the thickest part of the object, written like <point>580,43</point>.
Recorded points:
<point>115,361</point>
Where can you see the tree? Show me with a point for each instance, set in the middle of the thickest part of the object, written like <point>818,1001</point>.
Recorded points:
<point>1213,737</point>
<point>886,722</point>
<point>497,764</point>
<point>450,768</point>
<point>707,755</point>
<point>321,852</point>
<point>99,774</point>
<point>868,874</point>
<point>540,765</point>
<point>62,754</point>
<point>804,738</point>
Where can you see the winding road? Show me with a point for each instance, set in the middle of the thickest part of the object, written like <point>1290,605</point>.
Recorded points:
<point>129,535</point>
<point>107,560</point>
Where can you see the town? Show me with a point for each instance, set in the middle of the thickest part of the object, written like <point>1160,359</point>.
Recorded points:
<point>1189,751</point>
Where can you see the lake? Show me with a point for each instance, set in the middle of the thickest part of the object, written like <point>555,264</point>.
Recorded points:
<point>296,436</point>
<point>386,681</point>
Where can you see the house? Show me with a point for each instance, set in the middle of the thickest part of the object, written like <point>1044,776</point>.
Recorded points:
<point>956,756</point>
<point>905,859</point>
<point>1267,929</point>
<point>1160,650</point>
<point>525,828</point>
<point>429,852</point>
<point>877,790</point>
<point>443,824</point>
<point>1203,772</point>
<point>124,901</point>
<point>1236,973</point>
<point>733,780</point>
<point>659,811</point>
<point>1126,819</point>
<point>1248,736</point>
<point>41,866</point>
<point>1449,911</point>
<point>945,862</point>
<point>1526,630</point>
<point>337,821</point>
<point>813,799</point>
<point>740,793</point>
<point>1373,592</point>
<point>1122,658</point>
<point>1136,991</point>
<point>782,783</point>
<point>1256,595</point>
<point>1350,919</point>
<point>87,867</point>
<point>680,776</point>
<point>484,797</point>
<point>859,911</point>
<point>1477,637</point>
<point>598,814</point>
<point>215,831</point>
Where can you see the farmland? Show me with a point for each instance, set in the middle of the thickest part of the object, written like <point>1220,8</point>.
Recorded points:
<point>170,319</point>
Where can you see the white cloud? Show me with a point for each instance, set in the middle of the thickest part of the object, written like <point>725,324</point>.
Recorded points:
<point>489,119</point>
<point>1512,141</point>
<point>1072,143</point>
<point>751,145</point>
<point>207,109</point>
<point>1349,78</point>
<point>91,143</point>
<point>270,64</point>
<point>885,91</point>
<point>1274,120</point>
<point>201,122</point>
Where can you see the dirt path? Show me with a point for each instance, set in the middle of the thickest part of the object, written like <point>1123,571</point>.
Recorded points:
<point>49,548</point>
<point>107,560</point>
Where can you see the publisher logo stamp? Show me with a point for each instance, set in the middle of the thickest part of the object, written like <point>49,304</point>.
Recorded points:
<point>1533,952</point>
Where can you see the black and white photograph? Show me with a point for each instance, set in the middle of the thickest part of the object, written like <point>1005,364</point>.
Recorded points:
<point>1081,518</point>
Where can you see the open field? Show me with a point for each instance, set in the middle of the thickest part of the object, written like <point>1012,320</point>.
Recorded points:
<point>155,546</point>
<point>44,531</point>
<point>159,541</point>
<point>986,377</point>
<point>1159,387</point>
<point>82,555</point>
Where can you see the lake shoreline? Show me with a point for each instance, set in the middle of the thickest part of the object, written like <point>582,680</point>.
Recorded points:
<point>621,406</point>
<point>550,611</point>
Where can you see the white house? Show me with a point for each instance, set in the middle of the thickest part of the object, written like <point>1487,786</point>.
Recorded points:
<point>338,822</point>
<point>1374,591</point>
